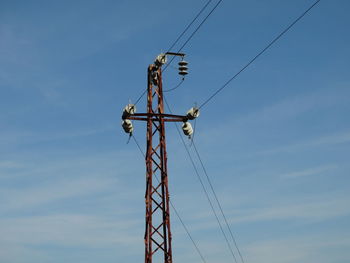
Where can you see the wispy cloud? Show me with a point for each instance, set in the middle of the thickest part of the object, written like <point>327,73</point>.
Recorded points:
<point>282,112</point>
<point>69,230</point>
<point>9,164</point>
<point>36,236</point>
<point>303,249</point>
<point>13,138</point>
<point>310,171</point>
<point>343,137</point>
<point>336,138</point>
<point>41,194</point>
<point>305,211</point>
<point>311,211</point>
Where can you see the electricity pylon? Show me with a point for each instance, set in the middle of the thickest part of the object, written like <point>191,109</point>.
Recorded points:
<point>158,234</point>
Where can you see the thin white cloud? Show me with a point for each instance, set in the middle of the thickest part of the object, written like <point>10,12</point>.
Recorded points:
<point>70,230</point>
<point>41,194</point>
<point>280,112</point>
<point>336,138</point>
<point>14,138</point>
<point>302,249</point>
<point>305,211</point>
<point>310,211</point>
<point>14,253</point>
<point>310,171</point>
<point>9,164</point>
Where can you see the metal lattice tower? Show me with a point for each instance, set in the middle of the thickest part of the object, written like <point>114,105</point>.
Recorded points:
<point>158,234</point>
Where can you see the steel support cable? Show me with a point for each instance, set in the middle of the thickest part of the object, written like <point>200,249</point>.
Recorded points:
<point>140,97</point>
<point>203,187</point>
<point>260,53</point>
<point>194,32</point>
<point>174,88</point>
<point>178,85</point>
<point>194,131</point>
<point>175,210</point>
<point>138,146</point>
<point>217,201</point>
<point>190,24</point>
<point>181,35</point>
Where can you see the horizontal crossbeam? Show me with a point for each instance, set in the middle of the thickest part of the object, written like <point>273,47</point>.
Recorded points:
<point>156,117</point>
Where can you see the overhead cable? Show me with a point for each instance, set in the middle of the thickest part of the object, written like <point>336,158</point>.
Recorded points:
<point>174,88</point>
<point>176,212</point>
<point>140,97</point>
<point>260,53</point>
<point>181,35</point>
<point>138,146</point>
<point>194,32</point>
<point>203,187</point>
<point>217,201</point>
<point>189,25</point>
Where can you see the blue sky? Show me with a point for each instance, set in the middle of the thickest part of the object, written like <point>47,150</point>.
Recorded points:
<point>275,142</point>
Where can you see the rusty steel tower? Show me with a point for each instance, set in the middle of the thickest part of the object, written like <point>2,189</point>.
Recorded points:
<point>158,233</point>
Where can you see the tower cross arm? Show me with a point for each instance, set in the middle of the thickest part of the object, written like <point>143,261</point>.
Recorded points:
<point>157,117</point>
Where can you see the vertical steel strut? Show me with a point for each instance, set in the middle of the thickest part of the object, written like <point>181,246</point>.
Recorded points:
<point>157,235</point>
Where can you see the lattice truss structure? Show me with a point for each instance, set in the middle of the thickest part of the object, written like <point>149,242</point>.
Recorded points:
<point>158,233</point>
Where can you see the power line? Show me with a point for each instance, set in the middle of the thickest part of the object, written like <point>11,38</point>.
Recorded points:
<point>175,210</point>
<point>194,32</point>
<point>219,90</point>
<point>217,200</point>
<point>202,105</point>
<point>203,186</point>
<point>260,53</point>
<point>140,97</point>
<point>190,24</point>
<point>183,32</point>
<point>138,145</point>
<point>200,25</point>
<point>188,233</point>
<point>178,85</point>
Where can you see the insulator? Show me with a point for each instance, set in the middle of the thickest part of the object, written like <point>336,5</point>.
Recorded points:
<point>160,60</point>
<point>127,126</point>
<point>193,113</point>
<point>183,68</point>
<point>187,128</point>
<point>183,63</point>
<point>128,110</point>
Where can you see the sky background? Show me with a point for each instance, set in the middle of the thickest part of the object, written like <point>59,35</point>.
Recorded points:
<point>275,142</point>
